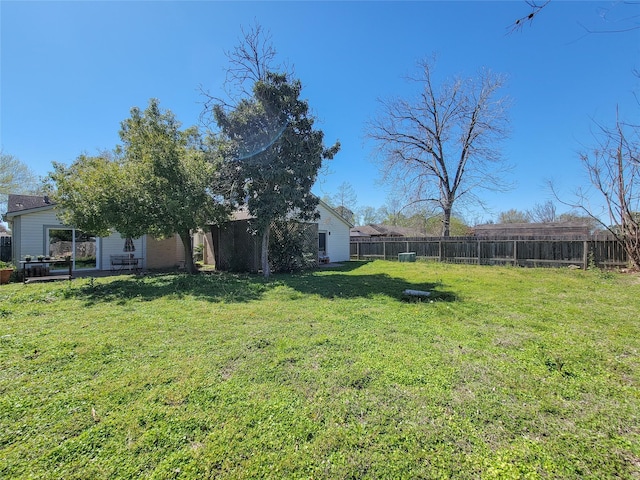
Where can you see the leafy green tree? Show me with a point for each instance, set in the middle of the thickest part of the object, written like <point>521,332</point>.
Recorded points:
<point>93,192</point>
<point>514,216</point>
<point>157,182</point>
<point>15,177</point>
<point>433,226</point>
<point>575,216</point>
<point>273,154</point>
<point>427,222</point>
<point>367,215</point>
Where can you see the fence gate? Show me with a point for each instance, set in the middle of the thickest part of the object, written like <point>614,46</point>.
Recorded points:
<point>5,249</point>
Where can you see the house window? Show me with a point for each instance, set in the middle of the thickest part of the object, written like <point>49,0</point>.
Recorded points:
<point>81,246</point>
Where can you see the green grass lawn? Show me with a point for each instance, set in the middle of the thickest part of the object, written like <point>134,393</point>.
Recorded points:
<point>506,373</point>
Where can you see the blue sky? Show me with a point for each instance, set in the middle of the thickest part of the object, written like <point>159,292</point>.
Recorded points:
<point>71,71</point>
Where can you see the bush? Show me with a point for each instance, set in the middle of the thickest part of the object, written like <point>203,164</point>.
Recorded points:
<point>198,253</point>
<point>292,246</point>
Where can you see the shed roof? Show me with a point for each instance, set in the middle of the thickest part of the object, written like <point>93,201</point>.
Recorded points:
<point>242,213</point>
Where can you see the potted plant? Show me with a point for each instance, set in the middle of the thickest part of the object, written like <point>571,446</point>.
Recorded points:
<point>40,258</point>
<point>6,269</point>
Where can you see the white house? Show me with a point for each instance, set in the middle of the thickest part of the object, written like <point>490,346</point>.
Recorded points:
<point>37,230</point>
<point>232,244</point>
<point>333,234</point>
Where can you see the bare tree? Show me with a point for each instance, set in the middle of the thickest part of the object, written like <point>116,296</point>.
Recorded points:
<point>344,201</point>
<point>391,212</point>
<point>613,167</point>
<point>617,17</point>
<point>443,145</point>
<point>249,62</point>
<point>534,9</point>
<point>345,196</point>
<point>543,212</point>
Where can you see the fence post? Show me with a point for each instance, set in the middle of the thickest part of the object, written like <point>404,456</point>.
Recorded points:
<point>358,250</point>
<point>407,247</point>
<point>478,247</point>
<point>515,253</point>
<point>384,249</point>
<point>585,255</point>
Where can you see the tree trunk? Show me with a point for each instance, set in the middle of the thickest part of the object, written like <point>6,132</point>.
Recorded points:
<point>446,221</point>
<point>266,271</point>
<point>189,266</point>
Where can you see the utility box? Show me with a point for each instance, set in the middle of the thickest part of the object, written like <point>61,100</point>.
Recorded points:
<point>407,257</point>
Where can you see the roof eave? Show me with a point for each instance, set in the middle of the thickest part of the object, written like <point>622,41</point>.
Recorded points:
<point>17,213</point>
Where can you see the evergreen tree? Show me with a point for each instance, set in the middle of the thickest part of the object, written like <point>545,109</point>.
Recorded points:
<point>273,154</point>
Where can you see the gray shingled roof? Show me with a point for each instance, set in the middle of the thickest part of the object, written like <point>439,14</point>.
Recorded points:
<point>18,203</point>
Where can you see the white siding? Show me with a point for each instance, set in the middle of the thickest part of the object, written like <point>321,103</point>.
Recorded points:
<point>337,234</point>
<point>15,240</point>
<point>114,245</point>
<point>30,239</point>
<point>32,233</point>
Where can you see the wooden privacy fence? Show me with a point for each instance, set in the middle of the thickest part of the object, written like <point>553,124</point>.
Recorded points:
<point>526,252</point>
<point>5,248</point>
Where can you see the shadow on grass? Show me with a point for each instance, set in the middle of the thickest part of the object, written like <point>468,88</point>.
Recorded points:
<point>215,287</point>
<point>339,283</point>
